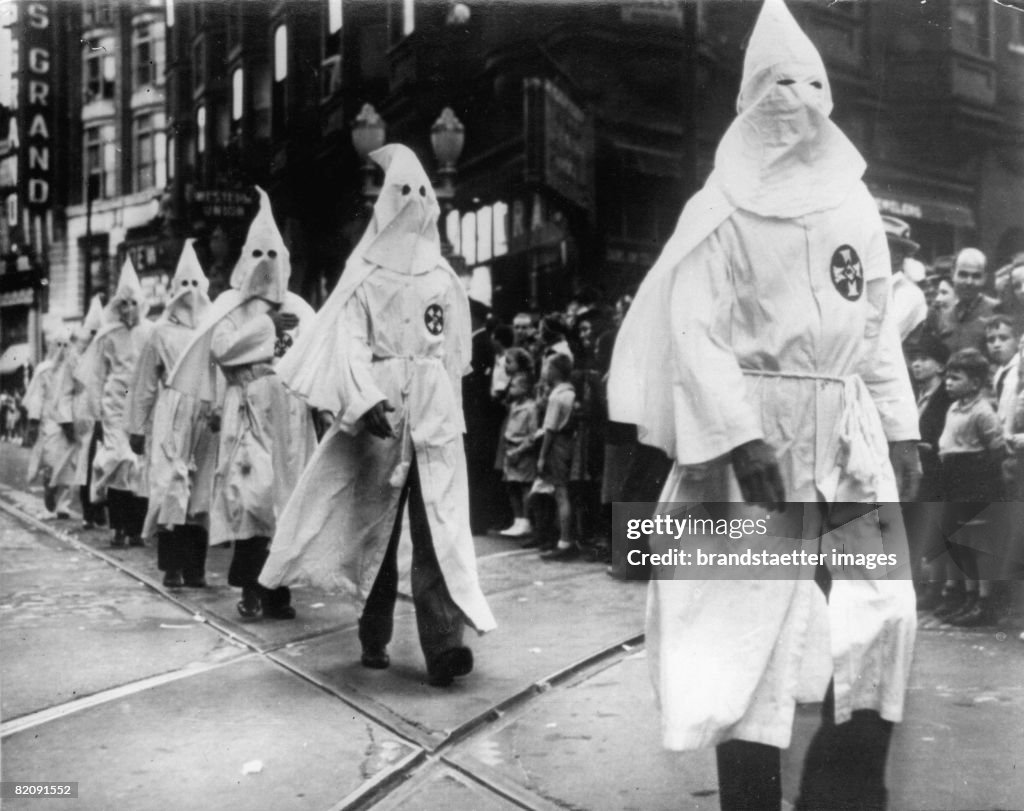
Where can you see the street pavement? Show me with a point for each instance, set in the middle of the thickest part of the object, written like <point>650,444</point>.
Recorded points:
<point>152,699</point>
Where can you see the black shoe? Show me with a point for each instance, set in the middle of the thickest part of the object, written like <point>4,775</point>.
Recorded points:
<point>249,605</point>
<point>50,498</point>
<point>980,614</point>
<point>952,602</point>
<point>118,541</point>
<point>173,580</point>
<point>63,516</point>
<point>449,664</point>
<point>970,599</point>
<point>375,659</point>
<point>198,582</point>
<point>563,553</point>
<point>930,597</point>
<point>279,612</point>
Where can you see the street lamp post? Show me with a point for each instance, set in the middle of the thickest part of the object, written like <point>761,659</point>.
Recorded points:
<point>447,138</point>
<point>368,133</point>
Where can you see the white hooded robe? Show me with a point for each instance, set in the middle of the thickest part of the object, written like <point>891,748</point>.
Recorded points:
<point>768,316</point>
<point>266,435</point>
<point>397,328</point>
<point>181,451</point>
<point>109,366</point>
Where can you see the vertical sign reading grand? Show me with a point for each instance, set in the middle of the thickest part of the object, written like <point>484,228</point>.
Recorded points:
<point>37,102</point>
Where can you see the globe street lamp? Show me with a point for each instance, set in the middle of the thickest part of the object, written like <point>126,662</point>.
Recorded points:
<point>447,138</point>
<point>368,132</point>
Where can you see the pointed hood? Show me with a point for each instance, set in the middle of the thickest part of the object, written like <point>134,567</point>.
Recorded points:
<point>403,234</point>
<point>782,156</point>
<point>189,287</point>
<point>128,289</point>
<point>264,266</point>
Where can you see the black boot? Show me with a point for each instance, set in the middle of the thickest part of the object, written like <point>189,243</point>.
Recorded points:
<point>277,603</point>
<point>970,599</point>
<point>952,601</point>
<point>448,664</point>
<point>249,606</point>
<point>980,614</point>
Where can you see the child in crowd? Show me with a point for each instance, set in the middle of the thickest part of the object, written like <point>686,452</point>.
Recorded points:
<point>1001,346</point>
<point>516,361</point>
<point>556,449</point>
<point>972,448</point>
<point>520,463</point>
<point>927,356</point>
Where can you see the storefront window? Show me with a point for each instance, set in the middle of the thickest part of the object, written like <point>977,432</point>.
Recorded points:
<point>100,160</point>
<point>237,94</point>
<point>281,53</point>
<point>148,152</point>
<point>972,27</point>
<point>148,53</point>
<point>333,16</point>
<point>99,69</point>
<point>201,130</point>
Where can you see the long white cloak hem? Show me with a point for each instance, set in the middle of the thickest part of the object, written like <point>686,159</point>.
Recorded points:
<point>333,534</point>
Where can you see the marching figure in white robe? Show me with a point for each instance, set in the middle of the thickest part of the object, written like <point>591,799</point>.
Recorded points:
<point>81,413</point>
<point>266,435</point>
<point>109,366</point>
<point>182,450</point>
<point>385,357</point>
<point>54,450</point>
<point>762,355</point>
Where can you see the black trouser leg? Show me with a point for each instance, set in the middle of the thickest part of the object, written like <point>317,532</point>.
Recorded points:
<point>247,561</point>
<point>117,507</point>
<point>196,542</point>
<point>90,511</point>
<point>134,513</point>
<point>749,776</point>
<point>845,764</point>
<point>377,621</point>
<point>439,620</point>
<point>170,550</point>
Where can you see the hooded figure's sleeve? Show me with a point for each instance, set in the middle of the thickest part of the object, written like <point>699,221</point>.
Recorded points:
<point>238,344</point>
<point>64,408</point>
<point>357,389</point>
<point>712,415</point>
<point>458,350</point>
<point>883,367</point>
<point>33,399</point>
<point>145,387</point>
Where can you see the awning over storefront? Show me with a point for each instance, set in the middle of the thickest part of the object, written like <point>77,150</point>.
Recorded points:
<point>14,357</point>
<point>923,207</point>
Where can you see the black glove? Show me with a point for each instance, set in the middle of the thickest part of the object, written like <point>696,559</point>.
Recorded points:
<point>758,474</point>
<point>98,431</point>
<point>213,421</point>
<point>69,431</point>
<point>137,443</point>
<point>32,435</point>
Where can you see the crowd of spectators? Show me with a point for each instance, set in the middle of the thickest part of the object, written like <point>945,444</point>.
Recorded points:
<point>558,462</point>
<point>545,382</point>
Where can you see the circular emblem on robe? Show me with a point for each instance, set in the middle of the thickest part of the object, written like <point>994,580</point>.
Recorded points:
<point>433,317</point>
<point>847,273</point>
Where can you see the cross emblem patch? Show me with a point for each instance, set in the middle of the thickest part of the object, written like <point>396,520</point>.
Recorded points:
<point>847,273</point>
<point>433,317</point>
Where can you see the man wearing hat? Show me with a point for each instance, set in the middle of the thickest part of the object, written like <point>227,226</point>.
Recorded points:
<point>908,299</point>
